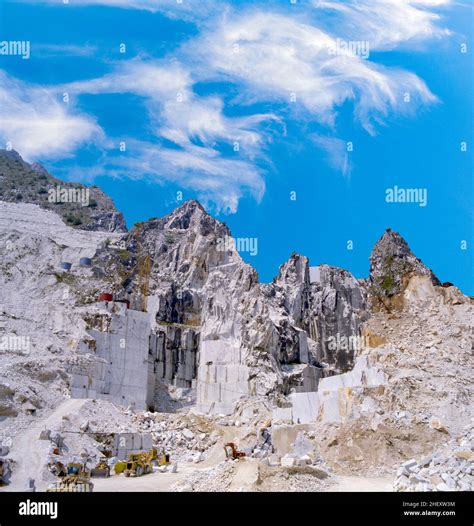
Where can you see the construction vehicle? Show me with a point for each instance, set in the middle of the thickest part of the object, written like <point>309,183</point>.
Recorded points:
<point>231,451</point>
<point>120,467</point>
<point>139,464</point>
<point>102,469</point>
<point>163,459</point>
<point>57,468</point>
<point>77,479</point>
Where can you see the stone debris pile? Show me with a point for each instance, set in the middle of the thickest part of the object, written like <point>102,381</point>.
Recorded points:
<point>448,469</point>
<point>253,475</point>
<point>187,439</point>
<point>303,453</point>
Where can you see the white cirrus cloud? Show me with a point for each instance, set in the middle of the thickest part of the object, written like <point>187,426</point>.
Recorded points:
<point>36,122</point>
<point>220,182</point>
<point>190,10</point>
<point>386,23</point>
<point>198,128</point>
<point>279,58</point>
<point>203,119</point>
<point>175,111</point>
<point>161,81</point>
<point>276,56</point>
<point>336,152</point>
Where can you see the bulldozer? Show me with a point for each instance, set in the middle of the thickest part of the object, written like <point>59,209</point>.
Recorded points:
<point>77,479</point>
<point>231,451</point>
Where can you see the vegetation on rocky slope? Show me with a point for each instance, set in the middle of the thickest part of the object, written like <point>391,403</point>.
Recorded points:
<point>21,182</point>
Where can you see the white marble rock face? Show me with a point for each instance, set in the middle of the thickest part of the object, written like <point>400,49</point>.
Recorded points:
<point>211,330</point>
<point>210,326</point>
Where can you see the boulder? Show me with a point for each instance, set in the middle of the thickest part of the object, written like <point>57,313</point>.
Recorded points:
<point>288,462</point>
<point>188,434</point>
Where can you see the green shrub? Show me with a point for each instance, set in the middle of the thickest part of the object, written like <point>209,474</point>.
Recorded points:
<point>124,255</point>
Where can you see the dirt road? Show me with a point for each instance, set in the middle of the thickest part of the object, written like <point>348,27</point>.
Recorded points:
<point>30,453</point>
<point>152,482</point>
<point>360,484</point>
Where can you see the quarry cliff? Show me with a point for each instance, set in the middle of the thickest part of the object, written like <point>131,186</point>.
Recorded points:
<point>167,318</point>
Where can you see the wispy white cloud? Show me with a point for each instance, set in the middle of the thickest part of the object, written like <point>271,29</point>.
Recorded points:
<point>186,9</point>
<point>219,181</point>
<point>37,123</point>
<point>269,55</point>
<point>196,126</point>
<point>283,59</point>
<point>203,119</point>
<point>385,24</point>
<point>163,81</point>
<point>336,152</point>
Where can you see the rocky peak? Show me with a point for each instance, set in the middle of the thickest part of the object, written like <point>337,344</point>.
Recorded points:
<point>184,247</point>
<point>291,286</point>
<point>12,155</point>
<point>85,208</point>
<point>294,271</point>
<point>391,263</point>
<point>183,216</point>
<point>191,215</point>
<point>185,225</point>
<point>391,243</point>
<point>190,206</point>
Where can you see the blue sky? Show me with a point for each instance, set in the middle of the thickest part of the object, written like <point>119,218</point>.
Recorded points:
<point>279,80</point>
